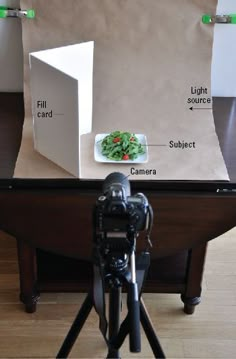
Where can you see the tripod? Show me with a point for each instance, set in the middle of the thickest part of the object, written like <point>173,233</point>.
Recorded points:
<point>136,313</point>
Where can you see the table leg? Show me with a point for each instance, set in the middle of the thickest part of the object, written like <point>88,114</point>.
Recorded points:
<point>195,267</point>
<point>28,276</point>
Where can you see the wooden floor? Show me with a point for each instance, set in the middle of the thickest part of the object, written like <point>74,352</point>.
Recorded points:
<point>209,333</point>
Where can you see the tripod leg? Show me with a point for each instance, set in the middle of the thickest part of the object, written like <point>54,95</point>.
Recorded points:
<point>76,327</point>
<point>114,319</point>
<point>150,332</point>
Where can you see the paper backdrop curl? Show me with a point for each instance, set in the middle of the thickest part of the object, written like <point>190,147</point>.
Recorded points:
<point>148,55</point>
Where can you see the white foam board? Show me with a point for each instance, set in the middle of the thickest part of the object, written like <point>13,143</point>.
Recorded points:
<point>63,77</point>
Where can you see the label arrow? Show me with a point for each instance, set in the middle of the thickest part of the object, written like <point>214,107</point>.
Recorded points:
<point>199,108</point>
<point>147,145</point>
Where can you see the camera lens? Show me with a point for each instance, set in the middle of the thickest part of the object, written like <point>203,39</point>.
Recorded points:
<point>116,178</point>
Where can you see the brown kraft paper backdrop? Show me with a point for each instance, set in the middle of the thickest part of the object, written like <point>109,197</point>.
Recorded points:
<point>148,54</point>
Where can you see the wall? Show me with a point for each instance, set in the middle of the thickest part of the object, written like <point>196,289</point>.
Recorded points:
<point>11,57</point>
<point>224,53</point>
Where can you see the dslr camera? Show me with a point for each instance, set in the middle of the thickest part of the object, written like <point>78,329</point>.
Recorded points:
<point>118,218</point>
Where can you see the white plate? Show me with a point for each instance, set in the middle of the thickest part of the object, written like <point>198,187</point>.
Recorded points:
<point>98,156</point>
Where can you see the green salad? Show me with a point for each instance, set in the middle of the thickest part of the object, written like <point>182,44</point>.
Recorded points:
<point>121,146</point>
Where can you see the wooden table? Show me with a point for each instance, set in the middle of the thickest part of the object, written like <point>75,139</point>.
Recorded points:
<point>55,216</point>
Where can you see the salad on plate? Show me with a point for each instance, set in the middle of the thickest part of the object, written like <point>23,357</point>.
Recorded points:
<point>121,146</point>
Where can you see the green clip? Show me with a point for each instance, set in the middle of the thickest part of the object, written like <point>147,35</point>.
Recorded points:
<point>9,12</point>
<point>233,18</point>
<point>219,19</point>
<point>30,14</point>
<point>3,12</point>
<point>206,19</point>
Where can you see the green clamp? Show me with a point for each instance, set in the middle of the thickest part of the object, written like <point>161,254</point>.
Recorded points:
<point>3,12</point>
<point>9,12</point>
<point>30,14</point>
<point>219,19</point>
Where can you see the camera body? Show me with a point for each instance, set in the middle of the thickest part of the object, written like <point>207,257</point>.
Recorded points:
<point>118,219</point>
<point>117,213</point>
